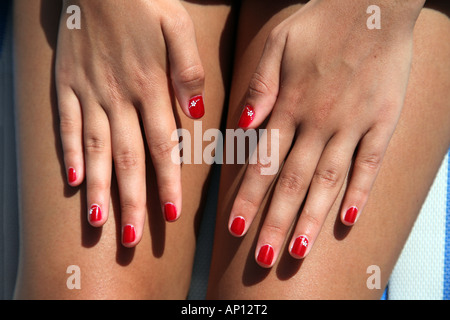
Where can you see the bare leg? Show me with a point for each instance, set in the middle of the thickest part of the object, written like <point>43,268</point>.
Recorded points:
<point>54,230</point>
<point>336,267</point>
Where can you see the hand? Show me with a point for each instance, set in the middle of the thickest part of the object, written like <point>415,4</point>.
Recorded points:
<point>111,75</point>
<point>334,89</point>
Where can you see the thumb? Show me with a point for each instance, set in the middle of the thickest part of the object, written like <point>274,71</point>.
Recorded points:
<point>186,70</point>
<point>264,84</point>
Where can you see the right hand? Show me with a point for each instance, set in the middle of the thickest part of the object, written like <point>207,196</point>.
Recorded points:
<point>110,75</point>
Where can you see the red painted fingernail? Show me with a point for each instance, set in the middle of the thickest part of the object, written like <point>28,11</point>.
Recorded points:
<point>265,255</point>
<point>300,246</point>
<point>238,226</point>
<point>170,211</point>
<point>95,213</point>
<point>72,175</point>
<point>351,214</point>
<point>247,117</point>
<point>128,234</point>
<point>196,107</point>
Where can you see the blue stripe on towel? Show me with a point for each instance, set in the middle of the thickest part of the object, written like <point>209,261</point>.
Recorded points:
<point>446,293</point>
<point>385,295</point>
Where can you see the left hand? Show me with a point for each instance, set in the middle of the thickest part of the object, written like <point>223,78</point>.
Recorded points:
<point>335,91</point>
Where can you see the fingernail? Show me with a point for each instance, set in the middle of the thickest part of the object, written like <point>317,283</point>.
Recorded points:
<point>300,246</point>
<point>95,213</point>
<point>247,117</point>
<point>128,234</point>
<point>351,214</point>
<point>196,107</point>
<point>72,175</point>
<point>238,226</point>
<point>170,211</point>
<point>265,255</point>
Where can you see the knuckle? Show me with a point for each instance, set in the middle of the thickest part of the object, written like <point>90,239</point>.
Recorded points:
<point>126,160</point>
<point>94,144</point>
<point>296,100</point>
<point>71,153</point>
<point>322,115</point>
<point>273,36</point>
<point>259,85</point>
<point>276,36</point>
<point>130,206</point>
<point>371,161</point>
<point>247,204</point>
<point>289,116</point>
<point>161,150</point>
<point>113,89</point>
<point>143,82</point>
<point>291,183</point>
<point>192,77</point>
<point>69,126</point>
<point>98,185</point>
<point>274,229</point>
<point>311,219</point>
<point>360,191</point>
<point>327,177</point>
<point>171,188</point>
<point>258,167</point>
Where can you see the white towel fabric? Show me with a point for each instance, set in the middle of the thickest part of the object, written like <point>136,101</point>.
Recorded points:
<point>419,272</point>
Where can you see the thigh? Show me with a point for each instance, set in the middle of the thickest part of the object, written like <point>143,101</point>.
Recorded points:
<point>337,265</point>
<point>54,232</point>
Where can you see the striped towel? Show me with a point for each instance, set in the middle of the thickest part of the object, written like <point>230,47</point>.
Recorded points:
<point>423,269</point>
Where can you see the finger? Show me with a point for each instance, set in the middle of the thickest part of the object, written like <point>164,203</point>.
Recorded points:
<point>326,183</point>
<point>264,83</point>
<point>186,69</point>
<point>290,190</point>
<point>97,144</point>
<point>365,169</point>
<point>159,128</point>
<point>129,165</point>
<point>70,122</point>
<point>259,174</point>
